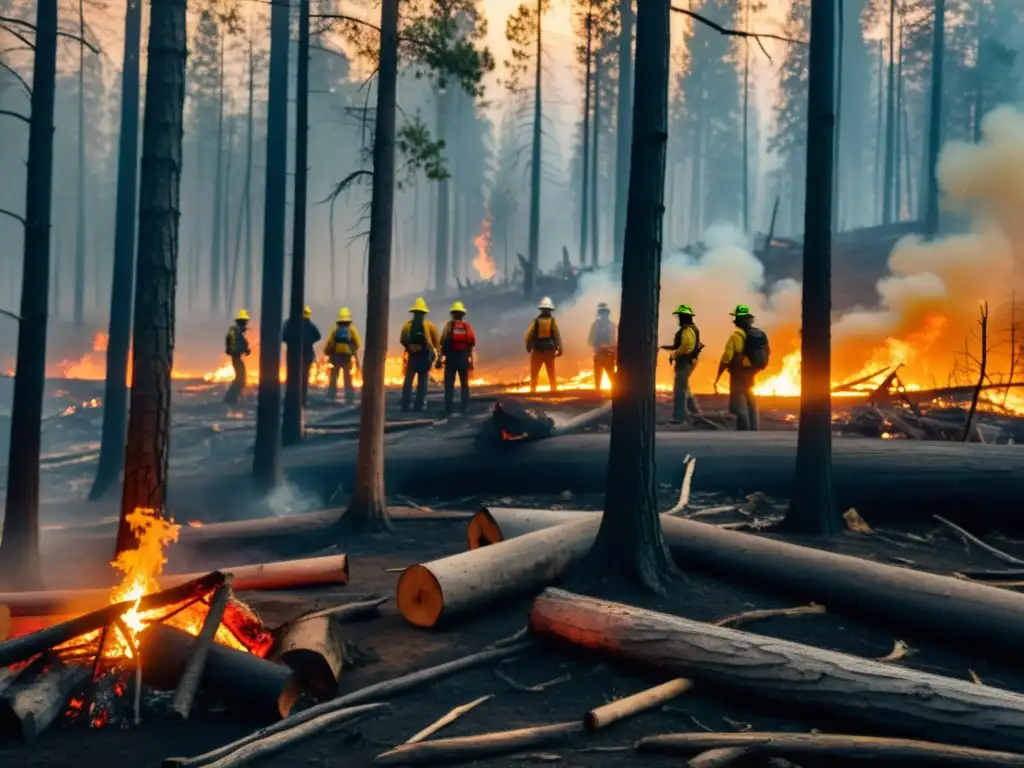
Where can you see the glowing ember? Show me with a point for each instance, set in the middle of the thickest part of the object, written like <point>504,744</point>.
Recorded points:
<point>483,263</point>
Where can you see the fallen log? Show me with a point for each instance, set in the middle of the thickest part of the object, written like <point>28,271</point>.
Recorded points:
<point>185,693</point>
<point>313,647</point>
<point>377,691</point>
<point>491,525</point>
<point>432,592</point>
<point>886,480</point>
<point>482,746</point>
<point>279,741</point>
<point>941,607</point>
<point>245,682</point>
<point>286,574</point>
<point>5,621</point>
<point>518,420</point>
<point>579,423</point>
<point>613,711</point>
<point>829,745</point>
<point>24,647</point>
<point>28,708</point>
<point>896,699</point>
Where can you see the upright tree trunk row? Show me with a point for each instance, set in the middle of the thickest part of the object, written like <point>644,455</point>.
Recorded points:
<point>536,164</point>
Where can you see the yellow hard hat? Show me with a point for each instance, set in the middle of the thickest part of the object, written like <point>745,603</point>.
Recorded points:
<point>307,312</point>
<point>344,316</point>
<point>458,306</point>
<point>242,315</point>
<point>419,305</point>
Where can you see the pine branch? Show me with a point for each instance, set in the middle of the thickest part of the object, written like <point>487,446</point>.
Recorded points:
<point>16,217</point>
<point>7,313</point>
<point>757,36</point>
<point>18,115</point>
<point>347,182</point>
<point>4,65</point>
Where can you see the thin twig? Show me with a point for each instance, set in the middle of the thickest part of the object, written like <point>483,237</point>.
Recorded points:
<point>17,76</point>
<point>966,538</point>
<point>19,116</point>
<point>981,374</point>
<point>737,32</point>
<point>12,214</point>
<point>10,314</point>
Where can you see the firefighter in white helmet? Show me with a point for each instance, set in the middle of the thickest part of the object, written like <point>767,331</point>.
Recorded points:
<point>544,344</point>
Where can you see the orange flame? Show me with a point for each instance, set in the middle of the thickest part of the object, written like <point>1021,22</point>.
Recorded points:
<point>483,263</point>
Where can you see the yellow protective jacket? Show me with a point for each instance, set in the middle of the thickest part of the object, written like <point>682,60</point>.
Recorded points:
<point>333,347</point>
<point>236,344</point>
<point>733,356</point>
<point>543,335</point>
<point>429,330</point>
<point>685,343</point>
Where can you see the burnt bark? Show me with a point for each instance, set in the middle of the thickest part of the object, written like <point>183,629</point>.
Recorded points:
<point>267,458</point>
<point>291,433</point>
<point>888,175</point>
<point>79,295</point>
<point>630,546</point>
<point>149,420</point>
<point>536,163</point>
<point>812,508</point>
<point>931,217</point>
<point>623,127</point>
<point>19,546</point>
<point>595,170</point>
<point>585,189</point>
<point>115,393</point>
<point>216,233</point>
<point>441,235</point>
<point>367,511</point>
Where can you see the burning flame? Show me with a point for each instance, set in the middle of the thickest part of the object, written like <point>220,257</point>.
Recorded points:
<point>483,263</point>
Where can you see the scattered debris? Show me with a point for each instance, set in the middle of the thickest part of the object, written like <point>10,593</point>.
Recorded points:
<point>769,613</point>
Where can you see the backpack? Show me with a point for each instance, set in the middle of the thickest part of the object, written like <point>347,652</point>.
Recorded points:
<point>231,342</point>
<point>417,332</point>
<point>458,337</point>
<point>604,333</point>
<point>756,348</point>
<point>544,343</point>
<point>342,336</point>
<point>697,346</point>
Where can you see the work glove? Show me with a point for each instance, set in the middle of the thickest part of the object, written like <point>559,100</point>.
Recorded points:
<point>558,353</point>
<point>439,364</point>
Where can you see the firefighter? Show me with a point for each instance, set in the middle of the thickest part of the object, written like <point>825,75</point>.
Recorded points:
<point>544,343</point>
<point>746,354</point>
<point>684,351</point>
<point>309,336</point>
<point>420,339</point>
<point>342,350</point>
<point>237,347</point>
<point>457,344</point>
<point>604,335</point>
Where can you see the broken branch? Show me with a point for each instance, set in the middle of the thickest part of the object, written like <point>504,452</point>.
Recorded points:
<point>185,693</point>
<point>884,750</point>
<point>737,32</point>
<point>478,747</point>
<point>769,613</point>
<point>448,719</point>
<point>614,711</point>
<point>969,538</point>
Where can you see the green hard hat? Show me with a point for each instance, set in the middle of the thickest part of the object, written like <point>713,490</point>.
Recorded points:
<point>742,310</point>
<point>683,309</point>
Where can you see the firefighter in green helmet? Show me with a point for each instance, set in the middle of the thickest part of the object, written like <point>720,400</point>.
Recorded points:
<point>746,354</point>
<point>683,353</point>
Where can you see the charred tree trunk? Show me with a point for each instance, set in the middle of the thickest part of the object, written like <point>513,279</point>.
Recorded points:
<point>149,420</point>
<point>812,507</point>
<point>218,189</point>
<point>629,544</point>
<point>746,123</point>
<point>267,459</point>
<point>623,127</point>
<point>442,246</point>
<point>897,147</point>
<point>836,165</point>
<point>536,161</point>
<point>79,296</point>
<point>931,217</point>
<point>291,433</point>
<point>890,122</point>
<point>249,257</point>
<point>19,546</point>
<point>879,140</point>
<point>368,510</point>
<point>595,170</point>
<point>584,232</point>
<point>115,393</point>
<point>225,251</point>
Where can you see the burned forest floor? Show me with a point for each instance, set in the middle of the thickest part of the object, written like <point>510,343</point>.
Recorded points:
<point>539,686</point>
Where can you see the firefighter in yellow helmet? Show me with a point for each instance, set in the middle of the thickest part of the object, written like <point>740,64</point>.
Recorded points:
<point>544,343</point>
<point>746,354</point>
<point>342,350</point>
<point>306,338</point>
<point>457,344</point>
<point>421,342</point>
<point>603,339</point>
<point>237,347</point>
<point>684,351</point>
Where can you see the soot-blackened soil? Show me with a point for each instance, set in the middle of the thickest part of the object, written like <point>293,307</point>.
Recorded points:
<point>583,682</point>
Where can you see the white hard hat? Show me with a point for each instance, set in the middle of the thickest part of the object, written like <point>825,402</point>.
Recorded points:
<point>545,303</point>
